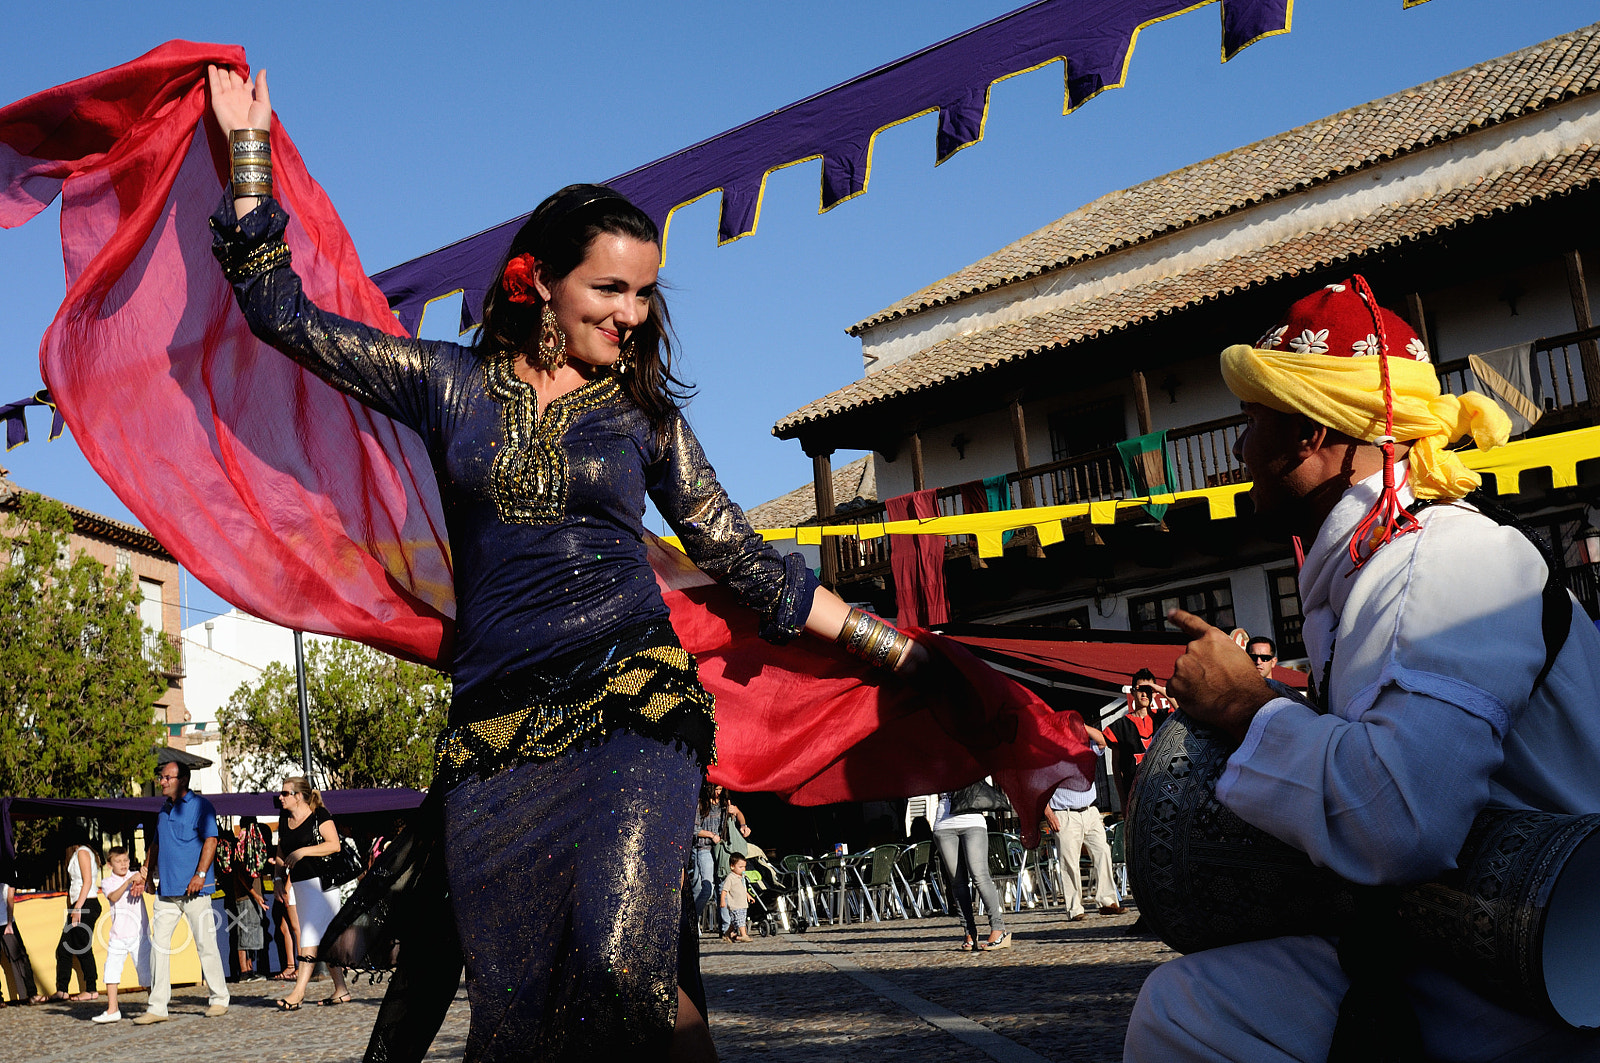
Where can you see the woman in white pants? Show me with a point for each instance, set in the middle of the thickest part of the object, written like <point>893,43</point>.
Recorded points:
<point>306,835</point>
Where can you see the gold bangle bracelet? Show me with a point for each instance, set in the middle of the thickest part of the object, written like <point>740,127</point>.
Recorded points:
<point>844,629</point>
<point>898,653</point>
<point>250,154</point>
<point>882,643</point>
<point>857,630</point>
<point>872,640</point>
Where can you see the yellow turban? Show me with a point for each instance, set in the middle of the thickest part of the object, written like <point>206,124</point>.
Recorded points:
<point>1346,394</point>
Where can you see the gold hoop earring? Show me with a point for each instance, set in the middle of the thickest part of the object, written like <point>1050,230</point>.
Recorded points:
<point>550,353</point>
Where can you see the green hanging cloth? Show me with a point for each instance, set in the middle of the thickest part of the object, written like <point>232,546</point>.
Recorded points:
<point>997,489</point>
<point>1144,461</point>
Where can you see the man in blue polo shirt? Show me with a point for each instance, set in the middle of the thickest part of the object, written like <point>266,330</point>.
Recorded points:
<point>186,840</point>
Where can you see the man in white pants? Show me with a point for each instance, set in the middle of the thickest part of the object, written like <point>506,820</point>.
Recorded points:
<point>1076,821</point>
<point>186,842</point>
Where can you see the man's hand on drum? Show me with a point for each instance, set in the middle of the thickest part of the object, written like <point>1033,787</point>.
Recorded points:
<point>1215,680</point>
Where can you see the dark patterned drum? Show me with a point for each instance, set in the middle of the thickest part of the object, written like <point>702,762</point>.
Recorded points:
<point>1520,917</point>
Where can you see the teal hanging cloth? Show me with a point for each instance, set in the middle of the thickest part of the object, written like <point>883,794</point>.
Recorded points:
<point>1144,461</point>
<point>997,490</point>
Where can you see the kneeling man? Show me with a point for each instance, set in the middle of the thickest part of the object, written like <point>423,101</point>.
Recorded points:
<point>1428,638</point>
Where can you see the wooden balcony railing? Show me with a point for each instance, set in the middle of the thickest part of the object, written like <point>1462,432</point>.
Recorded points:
<point>1199,455</point>
<point>1556,366</point>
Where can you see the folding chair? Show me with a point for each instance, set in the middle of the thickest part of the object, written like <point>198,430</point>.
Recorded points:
<point>801,890</point>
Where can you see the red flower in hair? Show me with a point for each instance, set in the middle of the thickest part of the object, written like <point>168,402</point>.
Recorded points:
<point>518,280</point>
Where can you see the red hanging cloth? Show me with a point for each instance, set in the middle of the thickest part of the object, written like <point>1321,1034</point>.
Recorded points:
<point>305,508</point>
<point>917,563</point>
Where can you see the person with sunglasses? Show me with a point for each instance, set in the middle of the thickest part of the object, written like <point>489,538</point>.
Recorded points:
<point>306,836</point>
<point>1263,654</point>
<point>1130,736</point>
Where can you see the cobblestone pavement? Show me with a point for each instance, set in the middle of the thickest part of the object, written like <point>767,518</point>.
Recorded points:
<point>864,992</point>
<point>1062,992</point>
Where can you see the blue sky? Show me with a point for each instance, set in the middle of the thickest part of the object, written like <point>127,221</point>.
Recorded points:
<point>428,122</point>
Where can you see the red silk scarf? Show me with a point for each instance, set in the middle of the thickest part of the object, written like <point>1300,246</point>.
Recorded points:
<point>301,506</point>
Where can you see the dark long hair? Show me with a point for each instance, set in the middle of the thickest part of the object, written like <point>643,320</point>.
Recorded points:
<point>558,233</point>
<point>707,788</point>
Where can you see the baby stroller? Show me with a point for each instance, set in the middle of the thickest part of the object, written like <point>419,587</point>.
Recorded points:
<point>767,914</point>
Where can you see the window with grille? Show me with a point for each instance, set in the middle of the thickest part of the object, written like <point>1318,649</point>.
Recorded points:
<point>1211,602</point>
<point>1288,622</point>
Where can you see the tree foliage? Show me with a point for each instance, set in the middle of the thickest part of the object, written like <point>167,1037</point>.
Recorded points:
<point>374,719</point>
<point>78,679</point>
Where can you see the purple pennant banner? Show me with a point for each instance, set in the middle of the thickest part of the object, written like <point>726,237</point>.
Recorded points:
<point>1094,37</point>
<point>16,420</point>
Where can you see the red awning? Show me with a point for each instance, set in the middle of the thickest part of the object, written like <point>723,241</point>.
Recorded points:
<point>1106,662</point>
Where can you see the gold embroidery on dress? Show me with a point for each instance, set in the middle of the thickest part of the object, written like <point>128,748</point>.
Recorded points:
<point>528,479</point>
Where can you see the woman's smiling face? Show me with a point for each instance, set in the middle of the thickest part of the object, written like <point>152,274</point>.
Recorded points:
<point>605,298</point>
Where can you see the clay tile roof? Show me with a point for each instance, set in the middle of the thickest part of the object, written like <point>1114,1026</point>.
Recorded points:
<point>1440,110</point>
<point>1317,249</point>
<point>855,480</point>
<point>88,522</point>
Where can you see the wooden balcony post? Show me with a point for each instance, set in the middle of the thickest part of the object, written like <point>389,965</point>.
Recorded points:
<point>918,481</point>
<point>1589,351</point>
<point>1019,442</point>
<point>1419,322</point>
<point>822,481</point>
<point>1141,402</point>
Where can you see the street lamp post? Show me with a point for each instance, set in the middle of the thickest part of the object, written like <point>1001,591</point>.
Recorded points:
<point>305,701</point>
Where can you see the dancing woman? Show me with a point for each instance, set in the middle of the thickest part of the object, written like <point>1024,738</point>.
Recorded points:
<point>578,728</point>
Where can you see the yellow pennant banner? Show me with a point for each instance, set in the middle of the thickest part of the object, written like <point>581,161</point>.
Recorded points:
<point>1559,453</point>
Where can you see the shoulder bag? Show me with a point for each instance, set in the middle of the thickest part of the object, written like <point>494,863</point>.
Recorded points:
<point>979,797</point>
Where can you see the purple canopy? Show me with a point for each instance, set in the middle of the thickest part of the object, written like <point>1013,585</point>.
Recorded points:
<point>1095,37</point>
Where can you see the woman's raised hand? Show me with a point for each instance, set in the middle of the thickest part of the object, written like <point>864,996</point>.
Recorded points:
<point>236,102</point>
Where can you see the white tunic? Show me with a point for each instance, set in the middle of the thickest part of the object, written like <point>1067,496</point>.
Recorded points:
<point>1436,643</point>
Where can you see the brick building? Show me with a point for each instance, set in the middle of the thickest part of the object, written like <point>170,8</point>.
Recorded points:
<point>128,547</point>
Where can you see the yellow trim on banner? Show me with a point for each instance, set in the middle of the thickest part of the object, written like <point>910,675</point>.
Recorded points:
<point>983,120</point>
<point>1561,454</point>
<point>430,302</point>
<point>761,195</point>
<point>1133,42</point>
<point>866,178</point>
<point>1288,22</point>
<point>666,226</point>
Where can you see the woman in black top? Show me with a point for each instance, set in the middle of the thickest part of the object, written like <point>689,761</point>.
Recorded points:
<point>306,835</point>
<point>579,730</point>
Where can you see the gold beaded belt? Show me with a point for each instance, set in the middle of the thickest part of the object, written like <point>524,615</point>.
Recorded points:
<point>655,691</point>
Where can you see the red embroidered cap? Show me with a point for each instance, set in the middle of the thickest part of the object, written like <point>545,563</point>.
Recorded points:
<point>1337,321</point>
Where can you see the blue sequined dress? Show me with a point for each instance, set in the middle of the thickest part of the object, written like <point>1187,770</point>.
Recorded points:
<point>578,727</point>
